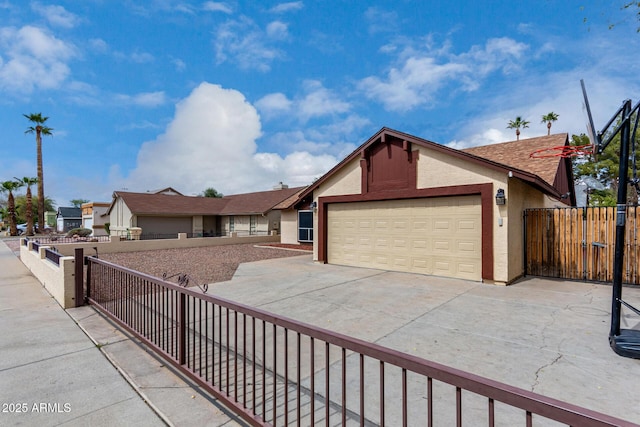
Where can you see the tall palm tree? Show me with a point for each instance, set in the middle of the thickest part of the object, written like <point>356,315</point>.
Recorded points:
<point>516,124</point>
<point>548,119</point>
<point>10,187</point>
<point>29,213</point>
<point>39,129</point>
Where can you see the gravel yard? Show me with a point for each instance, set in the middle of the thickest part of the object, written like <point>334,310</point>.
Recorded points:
<point>204,265</point>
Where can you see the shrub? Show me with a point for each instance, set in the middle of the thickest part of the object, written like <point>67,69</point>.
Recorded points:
<point>80,232</point>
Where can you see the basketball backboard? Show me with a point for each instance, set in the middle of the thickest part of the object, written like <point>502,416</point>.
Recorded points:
<point>591,128</point>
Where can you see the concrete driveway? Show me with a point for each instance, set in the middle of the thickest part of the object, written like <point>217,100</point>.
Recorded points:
<point>547,336</point>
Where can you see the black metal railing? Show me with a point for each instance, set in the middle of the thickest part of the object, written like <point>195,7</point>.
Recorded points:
<point>272,370</point>
<point>46,240</point>
<point>52,255</point>
<point>35,246</point>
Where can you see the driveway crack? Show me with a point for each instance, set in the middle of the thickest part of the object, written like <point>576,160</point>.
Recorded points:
<point>536,380</point>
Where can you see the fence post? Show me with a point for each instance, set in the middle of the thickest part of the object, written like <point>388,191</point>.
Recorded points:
<point>79,276</point>
<point>88,292</point>
<point>182,328</point>
<point>525,242</point>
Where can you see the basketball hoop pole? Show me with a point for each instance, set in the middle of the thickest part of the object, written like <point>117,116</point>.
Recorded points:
<point>625,342</point>
<point>621,213</point>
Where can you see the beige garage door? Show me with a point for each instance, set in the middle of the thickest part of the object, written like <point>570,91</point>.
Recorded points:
<point>438,236</point>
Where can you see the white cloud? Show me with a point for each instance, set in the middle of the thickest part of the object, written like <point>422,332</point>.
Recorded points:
<point>214,6</point>
<point>179,64</point>
<point>31,58</point>
<point>277,30</point>
<point>274,104</point>
<point>421,74</point>
<point>244,43</point>
<point>287,7</point>
<point>148,99</point>
<point>559,92</point>
<point>381,21</point>
<point>99,45</point>
<point>320,101</point>
<point>211,142</point>
<point>489,136</point>
<point>142,58</point>
<point>317,101</point>
<point>300,168</point>
<point>56,15</point>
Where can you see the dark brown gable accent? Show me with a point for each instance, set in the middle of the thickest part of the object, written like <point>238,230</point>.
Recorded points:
<point>388,165</point>
<point>564,182</point>
<point>486,197</point>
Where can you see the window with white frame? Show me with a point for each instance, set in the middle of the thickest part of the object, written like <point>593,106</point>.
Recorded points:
<point>305,226</point>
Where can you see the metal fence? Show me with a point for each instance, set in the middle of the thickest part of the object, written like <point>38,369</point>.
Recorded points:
<point>47,240</point>
<point>52,255</point>
<point>272,370</point>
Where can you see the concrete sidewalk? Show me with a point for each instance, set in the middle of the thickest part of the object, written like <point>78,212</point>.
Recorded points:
<point>52,373</point>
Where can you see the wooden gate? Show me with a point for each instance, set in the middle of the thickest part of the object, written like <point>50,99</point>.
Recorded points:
<point>578,243</point>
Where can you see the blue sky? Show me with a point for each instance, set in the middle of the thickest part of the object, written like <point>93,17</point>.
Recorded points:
<point>240,95</point>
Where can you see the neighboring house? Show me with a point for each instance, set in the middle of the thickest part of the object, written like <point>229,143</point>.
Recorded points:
<point>50,219</point>
<point>402,203</point>
<point>172,213</point>
<point>94,218</point>
<point>68,219</point>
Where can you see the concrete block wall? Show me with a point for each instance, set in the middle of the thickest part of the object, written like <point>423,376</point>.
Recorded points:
<point>58,280</point>
<point>115,245</point>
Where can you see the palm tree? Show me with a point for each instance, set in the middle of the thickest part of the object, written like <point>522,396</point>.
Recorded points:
<point>548,119</point>
<point>10,187</point>
<point>517,124</point>
<point>29,213</point>
<point>39,129</point>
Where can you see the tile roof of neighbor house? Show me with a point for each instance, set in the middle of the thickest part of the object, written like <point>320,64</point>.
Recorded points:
<point>513,157</point>
<point>70,212</point>
<point>237,204</point>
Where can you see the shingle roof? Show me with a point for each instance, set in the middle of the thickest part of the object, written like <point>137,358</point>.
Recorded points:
<point>255,203</point>
<point>70,212</point>
<point>508,157</point>
<point>290,201</point>
<point>238,204</point>
<point>517,155</point>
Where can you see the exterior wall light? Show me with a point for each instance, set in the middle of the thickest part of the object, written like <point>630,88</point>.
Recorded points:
<point>500,198</point>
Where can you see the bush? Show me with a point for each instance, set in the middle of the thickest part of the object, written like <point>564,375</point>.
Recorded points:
<point>80,232</point>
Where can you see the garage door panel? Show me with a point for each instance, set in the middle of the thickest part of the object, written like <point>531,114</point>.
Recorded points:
<point>419,243</point>
<point>441,246</point>
<point>468,247</point>
<point>440,236</point>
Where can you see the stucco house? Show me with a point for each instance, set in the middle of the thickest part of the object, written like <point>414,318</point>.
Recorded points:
<point>169,212</point>
<point>68,218</point>
<point>94,218</point>
<point>403,203</point>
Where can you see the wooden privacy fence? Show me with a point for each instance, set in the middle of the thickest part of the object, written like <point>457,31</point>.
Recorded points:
<point>579,243</point>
